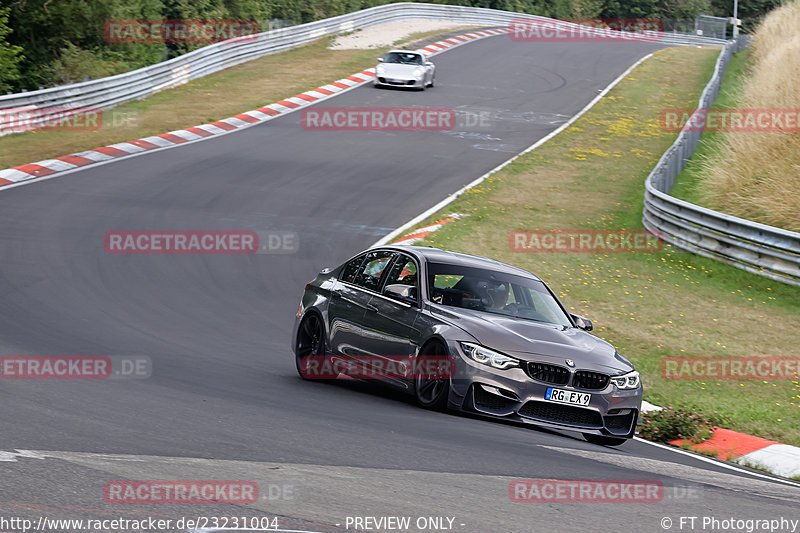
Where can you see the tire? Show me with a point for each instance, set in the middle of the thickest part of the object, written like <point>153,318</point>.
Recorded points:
<point>433,78</point>
<point>432,393</point>
<point>602,440</point>
<point>310,342</point>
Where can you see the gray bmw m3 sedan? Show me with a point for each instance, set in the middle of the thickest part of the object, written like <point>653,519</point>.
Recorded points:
<point>501,342</point>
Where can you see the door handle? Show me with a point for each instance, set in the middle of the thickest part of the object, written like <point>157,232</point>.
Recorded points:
<point>372,308</point>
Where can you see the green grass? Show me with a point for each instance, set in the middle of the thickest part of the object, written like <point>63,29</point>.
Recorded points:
<point>687,184</point>
<point>649,305</point>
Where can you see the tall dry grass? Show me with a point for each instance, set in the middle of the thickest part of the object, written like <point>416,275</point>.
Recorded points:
<point>757,175</point>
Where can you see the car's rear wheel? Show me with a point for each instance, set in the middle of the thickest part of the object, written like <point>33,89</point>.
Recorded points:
<point>602,440</point>
<point>433,78</point>
<point>310,342</point>
<point>431,392</point>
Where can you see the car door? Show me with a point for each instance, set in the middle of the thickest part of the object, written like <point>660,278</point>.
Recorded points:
<point>389,320</point>
<point>350,298</point>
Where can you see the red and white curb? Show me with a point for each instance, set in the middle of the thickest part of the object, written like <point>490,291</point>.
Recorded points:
<point>780,459</point>
<point>420,233</point>
<point>50,167</point>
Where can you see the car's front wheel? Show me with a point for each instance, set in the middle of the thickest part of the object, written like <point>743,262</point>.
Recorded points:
<point>431,391</point>
<point>602,440</point>
<point>310,342</point>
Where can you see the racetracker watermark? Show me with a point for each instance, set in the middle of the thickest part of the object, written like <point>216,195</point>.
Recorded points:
<point>582,30</point>
<point>732,120</point>
<point>180,492</point>
<point>598,241</point>
<point>377,367</point>
<point>75,367</point>
<point>378,119</point>
<point>192,31</point>
<point>730,368</point>
<point>585,491</point>
<point>28,118</point>
<point>201,242</point>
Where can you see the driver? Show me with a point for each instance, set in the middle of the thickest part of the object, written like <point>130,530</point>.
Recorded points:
<point>498,295</point>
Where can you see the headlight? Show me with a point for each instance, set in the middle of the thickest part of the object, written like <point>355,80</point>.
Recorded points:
<point>626,381</point>
<point>418,72</point>
<point>379,70</point>
<point>489,357</point>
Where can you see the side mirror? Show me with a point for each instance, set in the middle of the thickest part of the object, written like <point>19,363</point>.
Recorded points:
<point>379,59</point>
<point>405,293</point>
<point>582,322</point>
<point>428,64</point>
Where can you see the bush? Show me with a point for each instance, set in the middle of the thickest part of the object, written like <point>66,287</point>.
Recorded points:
<point>670,424</point>
<point>75,64</point>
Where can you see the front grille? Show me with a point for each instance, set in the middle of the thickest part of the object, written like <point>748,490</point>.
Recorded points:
<point>562,414</point>
<point>487,400</point>
<point>585,379</point>
<point>553,374</point>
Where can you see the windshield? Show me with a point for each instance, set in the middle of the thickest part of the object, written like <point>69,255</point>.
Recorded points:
<point>494,292</point>
<point>405,58</point>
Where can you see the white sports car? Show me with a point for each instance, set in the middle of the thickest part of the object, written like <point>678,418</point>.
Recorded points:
<point>403,68</point>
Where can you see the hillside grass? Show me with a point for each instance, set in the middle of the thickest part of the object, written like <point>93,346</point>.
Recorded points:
<point>756,175</point>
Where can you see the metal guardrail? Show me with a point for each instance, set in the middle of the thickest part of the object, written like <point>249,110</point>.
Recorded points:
<point>108,92</point>
<point>757,248</point>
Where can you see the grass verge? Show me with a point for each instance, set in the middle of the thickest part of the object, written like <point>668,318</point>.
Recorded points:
<point>223,94</point>
<point>649,305</point>
<point>688,183</point>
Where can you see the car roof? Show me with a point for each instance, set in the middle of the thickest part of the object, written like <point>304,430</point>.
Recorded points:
<point>437,255</point>
<point>405,52</point>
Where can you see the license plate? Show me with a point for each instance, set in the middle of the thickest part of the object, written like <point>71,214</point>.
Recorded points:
<point>567,396</point>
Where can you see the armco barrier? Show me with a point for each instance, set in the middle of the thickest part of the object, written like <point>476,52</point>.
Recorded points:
<point>108,92</point>
<point>757,248</point>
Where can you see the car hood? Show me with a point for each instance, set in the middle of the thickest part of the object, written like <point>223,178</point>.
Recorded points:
<point>399,70</point>
<point>534,341</point>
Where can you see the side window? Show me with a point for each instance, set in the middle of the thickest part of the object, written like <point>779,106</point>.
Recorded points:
<point>371,271</point>
<point>403,272</point>
<point>351,270</point>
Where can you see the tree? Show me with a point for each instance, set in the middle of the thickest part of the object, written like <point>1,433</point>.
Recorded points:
<point>10,55</point>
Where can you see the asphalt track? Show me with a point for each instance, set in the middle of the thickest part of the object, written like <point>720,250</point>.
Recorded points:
<point>224,400</point>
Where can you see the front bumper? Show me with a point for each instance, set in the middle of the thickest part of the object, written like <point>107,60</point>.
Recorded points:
<point>381,81</point>
<point>514,395</point>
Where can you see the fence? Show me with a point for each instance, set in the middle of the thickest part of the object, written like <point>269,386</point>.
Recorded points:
<point>711,26</point>
<point>757,248</point>
<point>111,91</point>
